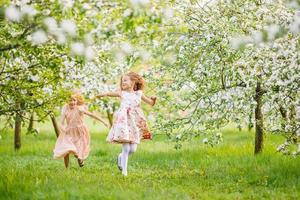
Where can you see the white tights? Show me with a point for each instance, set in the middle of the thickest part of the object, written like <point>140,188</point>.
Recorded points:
<point>127,149</point>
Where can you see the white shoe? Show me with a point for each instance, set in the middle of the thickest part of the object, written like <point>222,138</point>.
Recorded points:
<point>124,173</point>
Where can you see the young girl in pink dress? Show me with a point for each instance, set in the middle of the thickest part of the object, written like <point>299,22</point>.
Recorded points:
<point>130,124</point>
<point>74,138</point>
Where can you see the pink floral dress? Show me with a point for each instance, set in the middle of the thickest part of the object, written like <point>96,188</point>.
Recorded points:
<point>75,139</point>
<point>129,121</point>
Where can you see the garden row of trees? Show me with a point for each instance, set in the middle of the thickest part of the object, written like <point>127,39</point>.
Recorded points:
<point>211,63</point>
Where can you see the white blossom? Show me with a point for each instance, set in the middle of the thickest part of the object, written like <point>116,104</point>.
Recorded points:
<point>34,78</point>
<point>40,101</point>
<point>298,112</point>
<point>69,27</point>
<point>48,90</point>
<point>295,25</point>
<point>13,14</point>
<point>28,10</point>
<point>46,12</point>
<point>120,56</point>
<point>67,3</point>
<point>219,134</point>
<point>86,6</point>
<point>178,137</point>
<point>257,37</point>
<point>139,29</point>
<point>88,39</point>
<point>51,24</point>
<point>127,12</point>
<point>60,37</point>
<point>168,13</point>
<point>39,37</point>
<point>89,53</point>
<point>126,47</point>
<point>145,55</point>
<point>237,42</point>
<point>272,31</point>
<point>139,3</point>
<point>78,49</point>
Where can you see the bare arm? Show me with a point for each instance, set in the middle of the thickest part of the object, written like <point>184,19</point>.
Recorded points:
<point>109,94</point>
<point>151,101</point>
<point>95,117</point>
<point>63,119</point>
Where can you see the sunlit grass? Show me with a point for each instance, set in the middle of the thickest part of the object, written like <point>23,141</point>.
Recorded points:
<point>156,171</point>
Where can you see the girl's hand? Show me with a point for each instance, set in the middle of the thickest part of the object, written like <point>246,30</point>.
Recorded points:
<point>153,100</point>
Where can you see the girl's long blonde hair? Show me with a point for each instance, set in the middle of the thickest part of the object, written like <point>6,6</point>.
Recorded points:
<point>78,96</point>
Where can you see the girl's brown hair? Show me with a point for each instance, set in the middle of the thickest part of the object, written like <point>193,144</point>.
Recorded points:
<point>139,82</point>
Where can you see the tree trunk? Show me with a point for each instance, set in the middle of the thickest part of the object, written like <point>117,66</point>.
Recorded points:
<point>54,123</point>
<point>31,122</point>
<point>250,124</point>
<point>18,124</point>
<point>259,134</point>
<point>110,118</point>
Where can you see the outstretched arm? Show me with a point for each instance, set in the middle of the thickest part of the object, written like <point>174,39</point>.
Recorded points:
<point>109,94</point>
<point>95,117</point>
<point>63,119</point>
<point>151,101</point>
<point>62,122</point>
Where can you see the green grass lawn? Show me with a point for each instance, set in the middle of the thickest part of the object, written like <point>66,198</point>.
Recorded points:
<point>156,171</point>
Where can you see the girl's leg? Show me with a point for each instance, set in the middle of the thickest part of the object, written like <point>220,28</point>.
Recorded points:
<point>66,160</point>
<point>124,158</point>
<point>133,148</point>
<point>80,162</point>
